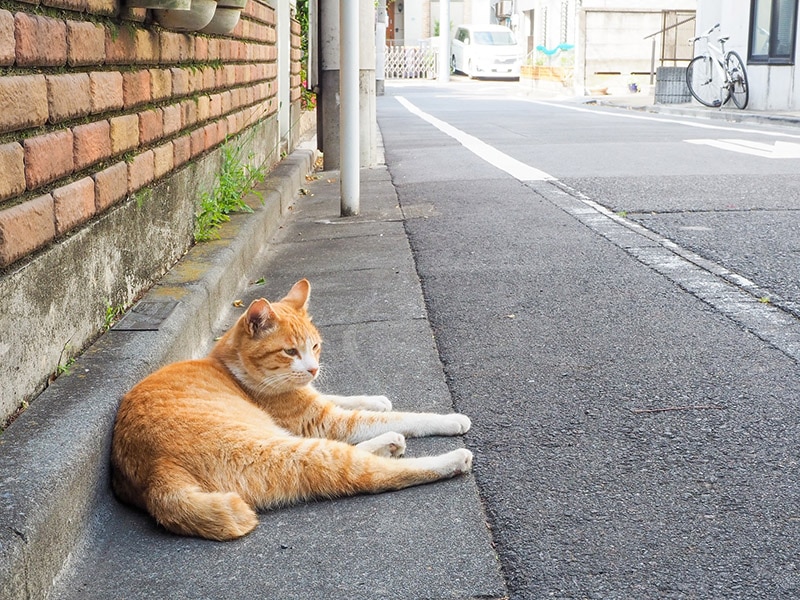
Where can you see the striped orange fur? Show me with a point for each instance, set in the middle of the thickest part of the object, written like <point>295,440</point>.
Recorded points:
<point>202,444</point>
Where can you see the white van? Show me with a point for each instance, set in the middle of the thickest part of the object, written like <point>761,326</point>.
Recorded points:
<point>485,51</point>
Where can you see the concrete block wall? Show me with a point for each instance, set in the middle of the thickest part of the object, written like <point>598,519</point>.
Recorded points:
<point>102,111</point>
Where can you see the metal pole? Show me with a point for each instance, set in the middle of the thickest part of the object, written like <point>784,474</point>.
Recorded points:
<point>349,150</point>
<point>380,47</point>
<point>444,41</point>
<point>653,61</point>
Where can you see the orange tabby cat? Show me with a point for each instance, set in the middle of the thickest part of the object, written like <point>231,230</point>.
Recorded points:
<point>201,444</point>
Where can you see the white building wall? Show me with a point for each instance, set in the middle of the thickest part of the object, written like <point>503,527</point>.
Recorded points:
<point>772,87</point>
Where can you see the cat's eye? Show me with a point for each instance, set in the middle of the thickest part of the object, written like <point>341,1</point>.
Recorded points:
<point>290,351</point>
<point>316,347</point>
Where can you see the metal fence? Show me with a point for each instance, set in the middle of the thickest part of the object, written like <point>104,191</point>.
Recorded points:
<point>410,62</point>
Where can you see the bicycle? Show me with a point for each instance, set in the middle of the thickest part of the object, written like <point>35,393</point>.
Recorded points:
<point>716,77</point>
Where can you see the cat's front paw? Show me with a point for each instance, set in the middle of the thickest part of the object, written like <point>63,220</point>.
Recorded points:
<point>388,445</point>
<point>376,403</point>
<point>455,463</point>
<point>457,424</point>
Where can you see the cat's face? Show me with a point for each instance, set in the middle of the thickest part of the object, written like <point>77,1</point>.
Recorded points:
<point>276,345</point>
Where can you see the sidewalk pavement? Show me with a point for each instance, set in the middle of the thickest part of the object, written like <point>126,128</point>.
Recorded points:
<point>64,534</point>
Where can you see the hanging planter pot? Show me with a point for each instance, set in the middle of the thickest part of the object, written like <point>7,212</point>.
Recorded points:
<point>194,19</point>
<point>226,17</point>
<point>160,4</point>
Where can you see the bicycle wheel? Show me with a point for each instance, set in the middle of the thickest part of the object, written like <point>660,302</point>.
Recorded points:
<point>705,82</point>
<point>740,91</point>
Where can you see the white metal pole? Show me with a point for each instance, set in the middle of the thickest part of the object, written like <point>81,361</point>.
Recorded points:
<point>349,151</point>
<point>444,41</point>
<point>380,46</point>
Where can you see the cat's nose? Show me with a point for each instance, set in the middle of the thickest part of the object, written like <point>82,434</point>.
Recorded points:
<point>313,371</point>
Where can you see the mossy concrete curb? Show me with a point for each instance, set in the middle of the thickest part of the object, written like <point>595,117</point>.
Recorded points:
<point>54,459</point>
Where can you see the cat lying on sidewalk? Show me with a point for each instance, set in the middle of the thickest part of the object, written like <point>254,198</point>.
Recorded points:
<point>202,444</point>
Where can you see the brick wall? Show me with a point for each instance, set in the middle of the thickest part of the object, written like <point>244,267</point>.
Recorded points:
<point>98,106</point>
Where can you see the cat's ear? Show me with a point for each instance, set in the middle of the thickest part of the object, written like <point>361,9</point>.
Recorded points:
<point>298,295</point>
<point>259,317</point>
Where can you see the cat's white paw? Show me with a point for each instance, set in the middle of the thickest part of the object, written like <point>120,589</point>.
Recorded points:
<point>454,463</point>
<point>388,445</point>
<point>377,403</point>
<point>457,424</point>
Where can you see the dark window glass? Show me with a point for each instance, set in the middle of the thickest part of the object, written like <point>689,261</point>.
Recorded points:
<point>773,25</point>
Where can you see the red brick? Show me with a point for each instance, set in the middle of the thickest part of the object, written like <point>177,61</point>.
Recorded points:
<point>195,81</point>
<point>203,108</point>
<point>106,91</point>
<point>180,82</point>
<point>151,126</point>
<point>198,141</point>
<point>213,48</point>
<point>146,46</point>
<point>136,88</point>
<point>41,41</point>
<point>173,118</point>
<point>110,186</point>
<point>201,49</point>
<point>12,170</point>
<point>91,143</point>
<point>226,102</point>
<point>160,83</point>
<point>163,159</point>
<point>24,102</point>
<point>215,109</point>
<point>120,45</point>
<point>228,76</point>
<point>129,13</point>
<point>124,133</point>
<point>73,5</point>
<point>182,148</point>
<point>47,158</point>
<point>7,42</point>
<point>86,43</point>
<point>210,133</point>
<point>73,204</point>
<point>68,96</point>
<point>141,171</point>
<point>208,76</point>
<point>231,124</point>
<point>25,228</point>
<point>102,7</point>
<point>175,47</point>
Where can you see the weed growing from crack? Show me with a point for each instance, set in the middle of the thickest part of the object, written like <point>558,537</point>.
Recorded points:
<point>237,179</point>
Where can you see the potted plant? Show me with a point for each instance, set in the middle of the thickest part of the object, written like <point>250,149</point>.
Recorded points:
<point>226,16</point>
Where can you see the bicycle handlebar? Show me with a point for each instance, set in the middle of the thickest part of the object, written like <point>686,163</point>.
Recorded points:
<point>705,35</point>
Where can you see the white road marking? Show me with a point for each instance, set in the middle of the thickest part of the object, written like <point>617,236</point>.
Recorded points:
<point>779,149</point>
<point>490,154</point>
<point>628,115</point>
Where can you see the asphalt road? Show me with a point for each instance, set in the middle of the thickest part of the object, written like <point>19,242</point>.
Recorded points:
<point>620,325</point>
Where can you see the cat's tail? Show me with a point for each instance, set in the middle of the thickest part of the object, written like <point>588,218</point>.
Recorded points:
<point>178,503</point>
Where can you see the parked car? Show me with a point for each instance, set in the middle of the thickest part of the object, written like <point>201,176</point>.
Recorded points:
<point>485,51</point>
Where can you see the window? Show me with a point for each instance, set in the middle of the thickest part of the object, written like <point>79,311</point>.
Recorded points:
<point>773,25</point>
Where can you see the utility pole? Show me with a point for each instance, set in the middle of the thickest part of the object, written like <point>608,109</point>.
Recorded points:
<point>349,135</point>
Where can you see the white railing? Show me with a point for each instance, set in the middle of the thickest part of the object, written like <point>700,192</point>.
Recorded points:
<point>410,62</point>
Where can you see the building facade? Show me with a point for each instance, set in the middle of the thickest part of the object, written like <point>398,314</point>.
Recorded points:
<point>764,34</point>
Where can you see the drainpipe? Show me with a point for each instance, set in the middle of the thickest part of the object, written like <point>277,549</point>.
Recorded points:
<point>348,109</point>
